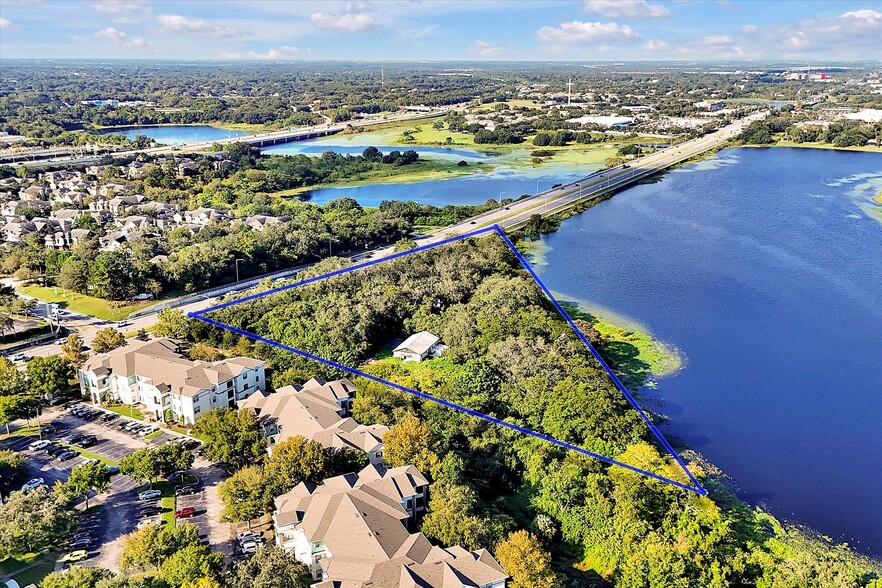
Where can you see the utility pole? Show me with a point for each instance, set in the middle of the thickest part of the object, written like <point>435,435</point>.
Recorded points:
<point>569,91</point>
<point>382,77</point>
<point>237,269</point>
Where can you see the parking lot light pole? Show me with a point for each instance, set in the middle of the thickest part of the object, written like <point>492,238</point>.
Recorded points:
<point>237,269</point>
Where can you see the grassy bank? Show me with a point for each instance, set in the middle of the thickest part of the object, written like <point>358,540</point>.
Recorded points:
<point>631,351</point>
<point>421,171</point>
<point>80,303</point>
<point>866,148</point>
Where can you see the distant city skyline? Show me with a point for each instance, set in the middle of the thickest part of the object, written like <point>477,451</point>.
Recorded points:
<point>479,30</point>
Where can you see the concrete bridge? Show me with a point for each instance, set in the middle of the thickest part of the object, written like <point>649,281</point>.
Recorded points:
<point>63,156</point>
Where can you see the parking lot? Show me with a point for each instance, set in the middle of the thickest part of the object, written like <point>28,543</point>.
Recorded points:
<point>120,509</point>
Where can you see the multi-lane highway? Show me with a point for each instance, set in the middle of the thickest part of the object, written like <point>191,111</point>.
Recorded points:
<point>593,186</point>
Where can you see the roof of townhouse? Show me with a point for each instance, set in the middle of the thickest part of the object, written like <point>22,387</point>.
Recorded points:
<point>450,567</point>
<point>313,411</point>
<point>348,434</point>
<point>160,361</point>
<point>361,521</point>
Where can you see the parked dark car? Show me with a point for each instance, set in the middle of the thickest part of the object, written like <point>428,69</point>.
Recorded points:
<point>75,438</point>
<point>109,417</point>
<point>149,511</point>
<point>80,543</point>
<point>49,429</point>
<point>186,490</point>
<point>66,455</point>
<point>88,441</point>
<point>190,444</point>
<point>112,470</point>
<point>54,450</point>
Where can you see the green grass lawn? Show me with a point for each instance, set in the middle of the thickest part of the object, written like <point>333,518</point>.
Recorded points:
<point>425,134</point>
<point>26,431</point>
<point>168,501</point>
<point>152,435</point>
<point>128,411</point>
<point>30,568</point>
<point>96,307</point>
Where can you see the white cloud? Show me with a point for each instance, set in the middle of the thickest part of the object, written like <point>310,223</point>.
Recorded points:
<point>175,23</point>
<point>117,38</point>
<point>580,33</point>
<point>347,22</point>
<point>487,49</point>
<point>117,6</point>
<point>126,20</point>
<point>715,40</point>
<point>5,24</point>
<point>285,52</point>
<point>632,9</point>
<point>656,46</point>
<point>853,34</point>
<point>230,55</point>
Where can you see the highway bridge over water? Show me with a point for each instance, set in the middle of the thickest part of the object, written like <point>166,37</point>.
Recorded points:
<point>70,155</point>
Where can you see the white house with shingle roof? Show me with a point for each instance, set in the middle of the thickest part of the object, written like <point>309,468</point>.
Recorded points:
<point>155,375</point>
<point>419,346</point>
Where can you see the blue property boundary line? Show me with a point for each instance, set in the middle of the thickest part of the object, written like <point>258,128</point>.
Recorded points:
<point>696,487</point>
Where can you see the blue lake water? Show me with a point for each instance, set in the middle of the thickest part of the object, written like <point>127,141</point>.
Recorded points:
<point>316,148</point>
<point>764,266</point>
<point>474,189</point>
<point>178,134</point>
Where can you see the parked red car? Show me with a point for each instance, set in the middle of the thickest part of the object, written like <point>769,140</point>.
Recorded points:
<point>185,512</point>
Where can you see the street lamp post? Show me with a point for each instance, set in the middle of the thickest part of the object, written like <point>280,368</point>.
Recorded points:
<point>500,196</point>
<point>237,269</point>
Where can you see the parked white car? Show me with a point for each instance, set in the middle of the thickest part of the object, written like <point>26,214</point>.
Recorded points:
<point>33,483</point>
<point>38,445</point>
<point>250,546</point>
<point>149,494</point>
<point>247,536</point>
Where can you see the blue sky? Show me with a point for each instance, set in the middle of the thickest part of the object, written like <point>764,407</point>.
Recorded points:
<point>442,29</point>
